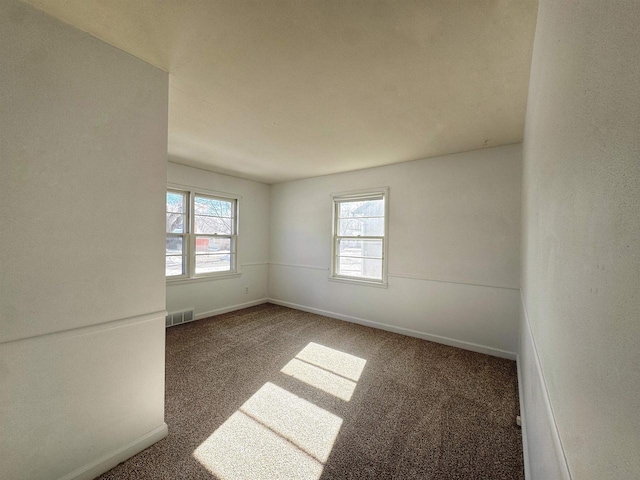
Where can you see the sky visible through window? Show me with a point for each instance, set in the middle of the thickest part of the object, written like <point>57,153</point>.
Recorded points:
<point>357,253</point>
<point>212,242</point>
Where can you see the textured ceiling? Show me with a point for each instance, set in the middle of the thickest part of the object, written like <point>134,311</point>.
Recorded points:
<point>274,90</point>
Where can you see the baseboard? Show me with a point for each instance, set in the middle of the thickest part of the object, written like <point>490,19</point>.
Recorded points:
<point>561,464</point>
<point>231,308</point>
<point>403,331</point>
<point>523,421</point>
<point>107,462</point>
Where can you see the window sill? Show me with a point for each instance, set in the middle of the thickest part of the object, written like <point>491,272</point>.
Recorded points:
<point>354,281</point>
<point>208,278</point>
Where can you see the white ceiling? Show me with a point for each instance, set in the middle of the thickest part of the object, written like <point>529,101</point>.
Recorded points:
<point>275,90</point>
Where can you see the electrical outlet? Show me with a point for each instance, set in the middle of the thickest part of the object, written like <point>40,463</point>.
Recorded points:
<point>246,290</point>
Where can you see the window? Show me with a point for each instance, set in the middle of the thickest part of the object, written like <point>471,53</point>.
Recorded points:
<point>201,235</point>
<point>360,237</point>
<point>177,239</point>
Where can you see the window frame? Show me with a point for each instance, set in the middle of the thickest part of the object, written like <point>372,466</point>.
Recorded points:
<point>184,235</point>
<point>359,195</point>
<point>190,234</point>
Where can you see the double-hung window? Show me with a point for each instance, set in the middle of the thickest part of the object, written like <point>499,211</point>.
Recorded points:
<point>201,235</point>
<point>360,236</point>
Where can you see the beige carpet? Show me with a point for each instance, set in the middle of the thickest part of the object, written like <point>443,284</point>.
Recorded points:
<point>271,392</point>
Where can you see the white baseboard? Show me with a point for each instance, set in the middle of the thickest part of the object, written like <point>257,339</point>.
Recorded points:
<point>107,462</point>
<point>545,418</point>
<point>231,308</point>
<point>403,331</point>
<point>523,421</point>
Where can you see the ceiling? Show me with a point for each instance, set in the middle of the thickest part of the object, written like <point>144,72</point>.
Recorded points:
<point>275,90</point>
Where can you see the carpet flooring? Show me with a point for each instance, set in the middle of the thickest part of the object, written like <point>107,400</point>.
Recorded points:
<point>271,392</point>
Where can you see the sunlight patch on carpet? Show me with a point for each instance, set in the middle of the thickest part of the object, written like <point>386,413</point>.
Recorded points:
<point>243,449</point>
<point>276,434</point>
<point>311,428</point>
<point>340,363</point>
<point>316,377</point>
<point>327,369</point>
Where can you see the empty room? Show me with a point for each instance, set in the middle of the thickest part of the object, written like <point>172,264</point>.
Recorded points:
<point>319,239</point>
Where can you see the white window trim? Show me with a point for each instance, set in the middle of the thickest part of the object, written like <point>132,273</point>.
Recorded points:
<point>191,276</point>
<point>356,195</point>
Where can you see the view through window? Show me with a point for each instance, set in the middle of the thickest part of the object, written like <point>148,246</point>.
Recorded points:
<point>176,222</point>
<point>201,234</point>
<point>359,236</point>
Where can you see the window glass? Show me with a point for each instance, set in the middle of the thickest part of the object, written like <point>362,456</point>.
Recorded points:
<point>201,237</point>
<point>359,237</point>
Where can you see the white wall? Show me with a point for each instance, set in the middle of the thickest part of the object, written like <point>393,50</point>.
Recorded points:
<point>212,296</point>
<point>83,151</point>
<point>454,243</point>
<point>581,249</point>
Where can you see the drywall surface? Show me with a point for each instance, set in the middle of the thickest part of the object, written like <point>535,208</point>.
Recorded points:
<point>69,399</point>
<point>212,296</point>
<point>454,239</point>
<point>581,248</point>
<point>83,150</point>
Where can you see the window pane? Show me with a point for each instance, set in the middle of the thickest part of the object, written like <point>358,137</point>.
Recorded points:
<point>366,227</point>
<point>176,222</point>
<point>176,202</point>
<point>175,246</point>
<point>360,248</point>
<point>211,225</point>
<point>213,263</point>
<point>360,267</point>
<point>174,265</point>
<point>213,207</point>
<point>367,208</point>
<point>213,245</point>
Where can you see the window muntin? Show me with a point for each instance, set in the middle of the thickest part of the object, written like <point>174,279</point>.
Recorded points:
<point>359,236</point>
<point>201,235</point>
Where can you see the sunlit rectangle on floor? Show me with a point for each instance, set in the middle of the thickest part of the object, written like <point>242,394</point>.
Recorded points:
<point>310,428</point>
<point>335,361</point>
<point>322,379</point>
<point>277,434</point>
<point>243,449</point>
<point>327,369</point>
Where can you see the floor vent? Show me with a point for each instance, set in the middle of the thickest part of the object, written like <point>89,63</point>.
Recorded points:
<point>177,318</point>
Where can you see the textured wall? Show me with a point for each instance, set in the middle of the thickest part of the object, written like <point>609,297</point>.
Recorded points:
<point>581,249</point>
<point>454,246</point>
<point>83,136</point>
